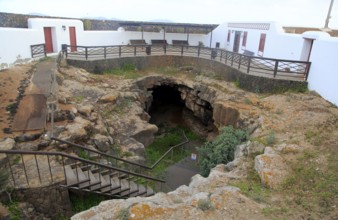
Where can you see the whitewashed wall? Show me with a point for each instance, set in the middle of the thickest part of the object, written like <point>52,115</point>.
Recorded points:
<point>323,76</point>
<point>277,45</point>
<point>59,35</point>
<point>15,45</point>
<point>105,38</point>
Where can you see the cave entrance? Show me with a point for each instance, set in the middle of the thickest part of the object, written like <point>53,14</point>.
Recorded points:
<point>167,107</point>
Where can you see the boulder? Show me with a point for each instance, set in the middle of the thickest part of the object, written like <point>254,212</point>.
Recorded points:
<point>85,110</point>
<point>75,130</point>
<point>6,144</point>
<point>144,132</point>
<point>109,98</point>
<point>103,143</point>
<point>4,213</point>
<point>271,168</point>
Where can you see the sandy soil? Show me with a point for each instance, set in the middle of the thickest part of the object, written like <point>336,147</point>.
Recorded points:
<point>10,80</point>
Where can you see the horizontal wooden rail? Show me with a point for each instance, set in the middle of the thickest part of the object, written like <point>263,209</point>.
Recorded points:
<point>268,67</point>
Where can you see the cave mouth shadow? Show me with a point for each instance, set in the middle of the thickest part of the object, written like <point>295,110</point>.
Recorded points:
<point>169,110</point>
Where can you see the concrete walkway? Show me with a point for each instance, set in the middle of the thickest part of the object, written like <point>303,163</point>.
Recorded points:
<point>32,109</point>
<point>180,173</point>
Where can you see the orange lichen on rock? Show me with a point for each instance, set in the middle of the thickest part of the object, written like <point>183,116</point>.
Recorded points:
<point>144,211</point>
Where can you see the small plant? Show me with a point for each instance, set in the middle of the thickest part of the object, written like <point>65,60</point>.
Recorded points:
<point>247,101</point>
<point>271,138</point>
<point>123,214</point>
<point>205,204</point>
<point>84,154</point>
<point>81,203</point>
<point>237,83</point>
<point>221,149</point>
<point>279,111</point>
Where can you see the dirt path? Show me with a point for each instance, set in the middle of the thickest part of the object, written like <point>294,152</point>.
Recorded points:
<point>10,82</point>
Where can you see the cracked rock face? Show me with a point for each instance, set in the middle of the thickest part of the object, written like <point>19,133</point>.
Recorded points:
<point>205,198</point>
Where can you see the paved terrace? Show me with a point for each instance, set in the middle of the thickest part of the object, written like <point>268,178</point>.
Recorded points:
<point>265,67</point>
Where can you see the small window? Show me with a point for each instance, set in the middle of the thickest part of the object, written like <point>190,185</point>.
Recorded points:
<point>245,36</point>
<point>261,44</point>
<point>229,33</point>
<point>217,44</point>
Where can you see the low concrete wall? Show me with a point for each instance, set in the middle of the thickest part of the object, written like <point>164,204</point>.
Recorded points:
<point>248,82</point>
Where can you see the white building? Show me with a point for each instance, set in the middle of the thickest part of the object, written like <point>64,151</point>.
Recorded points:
<point>266,39</point>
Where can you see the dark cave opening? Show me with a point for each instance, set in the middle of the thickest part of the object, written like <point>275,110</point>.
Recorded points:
<point>168,109</point>
<point>167,106</point>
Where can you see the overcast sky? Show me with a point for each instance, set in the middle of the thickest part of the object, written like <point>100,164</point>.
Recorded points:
<point>308,13</point>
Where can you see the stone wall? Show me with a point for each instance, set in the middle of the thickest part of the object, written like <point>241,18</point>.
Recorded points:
<point>52,201</point>
<point>248,82</point>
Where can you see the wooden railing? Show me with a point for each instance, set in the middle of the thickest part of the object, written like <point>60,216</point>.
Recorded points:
<point>266,67</point>
<point>38,50</point>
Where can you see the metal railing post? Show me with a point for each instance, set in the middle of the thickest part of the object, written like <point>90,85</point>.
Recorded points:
<point>37,167</point>
<point>276,69</point>
<point>86,52</point>
<point>249,63</point>
<point>24,168</point>
<point>135,51</point>
<point>105,52</point>
<point>182,48</point>
<point>120,51</point>
<point>239,61</point>
<point>50,169</point>
<point>10,168</point>
<point>199,51</point>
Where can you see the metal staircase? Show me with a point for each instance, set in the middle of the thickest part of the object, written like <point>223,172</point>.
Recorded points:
<point>36,169</point>
<point>101,173</point>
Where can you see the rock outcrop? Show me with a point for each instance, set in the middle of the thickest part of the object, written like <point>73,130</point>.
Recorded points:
<point>271,168</point>
<point>205,198</point>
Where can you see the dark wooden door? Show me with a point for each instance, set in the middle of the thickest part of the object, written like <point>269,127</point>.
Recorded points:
<point>72,35</point>
<point>237,41</point>
<point>48,39</point>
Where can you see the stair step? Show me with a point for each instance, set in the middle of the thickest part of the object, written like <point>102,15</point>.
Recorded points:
<point>86,167</point>
<point>75,164</point>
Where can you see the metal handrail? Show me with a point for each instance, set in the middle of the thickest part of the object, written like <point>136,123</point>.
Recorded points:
<point>64,155</point>
<point>123,160</point>
<point>245,63</point>
<point>99,152</point>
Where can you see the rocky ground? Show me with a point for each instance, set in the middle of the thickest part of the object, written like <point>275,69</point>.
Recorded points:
<point>287,170</point>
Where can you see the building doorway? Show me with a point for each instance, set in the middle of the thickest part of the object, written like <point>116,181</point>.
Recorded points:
<point>307,48</point>
<point>237,41</point>
<point>72,36</point>
<point>48,39</point>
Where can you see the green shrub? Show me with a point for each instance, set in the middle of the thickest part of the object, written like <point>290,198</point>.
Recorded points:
<point>221,149</point>
<point>271,138</point>
<point>205,204</point>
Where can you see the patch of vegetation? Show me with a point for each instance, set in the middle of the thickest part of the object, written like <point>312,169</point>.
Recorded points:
<point>247,101</point>
<point>13,208</point>
<point>162,144</point>
<point>205,204</point>
<point>84,154</point>
<point>313,184</point>
<point>12,108</point>
<point>82,203</point>
<point>314,137</point>
<point>123,214</point>
<point>79,98</point>
<point>252,187</point>
<point>127,71</point>
<point>221,150</point>
<point>122,105</point>
<point>237,83</point>
<point>273,210</point>
<point>270,139</point>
